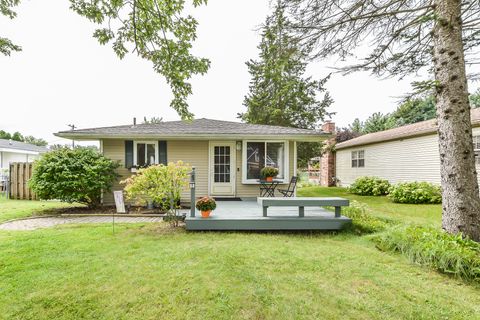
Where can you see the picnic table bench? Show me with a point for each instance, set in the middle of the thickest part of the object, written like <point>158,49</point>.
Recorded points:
<point>302,202</point>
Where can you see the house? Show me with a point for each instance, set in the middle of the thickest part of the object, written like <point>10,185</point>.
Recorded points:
<point>227,156</point>
<point>407,153</point>
<point>15,151</point>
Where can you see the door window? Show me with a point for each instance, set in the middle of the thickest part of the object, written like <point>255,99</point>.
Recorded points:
<point>221,171</point>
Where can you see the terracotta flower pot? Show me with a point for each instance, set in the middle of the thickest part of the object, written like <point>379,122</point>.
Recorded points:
<point>269,179</point>
<point>206,214</point>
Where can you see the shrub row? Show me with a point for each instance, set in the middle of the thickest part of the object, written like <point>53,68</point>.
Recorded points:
<point>447,253</point>
<point>370,186</point>
<point>405,192</point>
<point>415,192</point>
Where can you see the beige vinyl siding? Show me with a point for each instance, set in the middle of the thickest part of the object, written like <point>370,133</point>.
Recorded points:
<point>115,150</point>
<point>194,153</point>
<point>411,159</point>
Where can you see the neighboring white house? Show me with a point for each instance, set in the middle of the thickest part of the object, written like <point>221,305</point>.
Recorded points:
<point>15,151</point>
<point>408,153</point>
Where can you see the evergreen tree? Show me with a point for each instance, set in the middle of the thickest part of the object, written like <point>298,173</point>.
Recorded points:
<point>378,122</point>
<point>152,120</point>
<point>356,126</point>
<point>280,94</point>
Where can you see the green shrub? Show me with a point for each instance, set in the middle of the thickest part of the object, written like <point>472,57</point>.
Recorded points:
<point>370,186</point>
<point>77,175</point>
<point>416,193</point>
<point>160,184</point>
<point>447,253</point>
<point>363,222</point>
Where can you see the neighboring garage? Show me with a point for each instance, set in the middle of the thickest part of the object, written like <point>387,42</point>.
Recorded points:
<point>408,153</point>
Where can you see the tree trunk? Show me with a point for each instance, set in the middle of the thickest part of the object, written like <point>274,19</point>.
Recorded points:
<point>460,194</point>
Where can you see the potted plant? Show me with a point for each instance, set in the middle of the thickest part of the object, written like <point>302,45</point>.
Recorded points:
<point>268,173</point>
<point>206,205</point>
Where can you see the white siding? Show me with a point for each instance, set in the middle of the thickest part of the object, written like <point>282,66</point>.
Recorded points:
<point>412,159</point>
<point>7,157</point>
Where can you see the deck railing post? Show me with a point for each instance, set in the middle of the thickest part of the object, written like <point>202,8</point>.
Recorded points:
<point>192,193</point>
<point>338,212</point>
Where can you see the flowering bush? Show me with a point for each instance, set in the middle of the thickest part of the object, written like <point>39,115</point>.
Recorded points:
<point>416,193</point>
<point>162,184</point>
<point>267,172</point>
<point>370,186</point>
<point>206,204</point>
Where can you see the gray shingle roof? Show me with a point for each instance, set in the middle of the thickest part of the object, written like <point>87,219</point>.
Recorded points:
<point>197,127</point>
<point>408,131</point>
<point>12,144</point>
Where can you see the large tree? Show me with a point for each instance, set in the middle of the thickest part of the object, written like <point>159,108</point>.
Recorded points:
<point>280,93</point>
<point>404,37</point>
<point>156,30</point>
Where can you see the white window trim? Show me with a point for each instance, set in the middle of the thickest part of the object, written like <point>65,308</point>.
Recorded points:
<point>147,142</point>
<point>286,174</point>
<point>357,158</point>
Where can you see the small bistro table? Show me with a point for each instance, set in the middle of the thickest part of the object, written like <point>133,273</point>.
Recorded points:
<point>267,188</point>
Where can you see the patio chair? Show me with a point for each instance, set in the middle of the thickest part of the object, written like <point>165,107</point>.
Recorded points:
<point>289,192</point>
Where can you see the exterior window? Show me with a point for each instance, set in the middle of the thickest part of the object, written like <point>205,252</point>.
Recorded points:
<point>358,159</point>
<point>146,153</point>
<point>222,164</point>
<point>476,148</point>
<point>261,154</point>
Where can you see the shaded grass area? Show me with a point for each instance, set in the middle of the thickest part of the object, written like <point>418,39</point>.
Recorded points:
<point>152,272</point>
<point>426,214</point>
<point>16,209</point>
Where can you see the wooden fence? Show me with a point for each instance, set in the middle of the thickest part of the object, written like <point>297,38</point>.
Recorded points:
<point>20,173</point>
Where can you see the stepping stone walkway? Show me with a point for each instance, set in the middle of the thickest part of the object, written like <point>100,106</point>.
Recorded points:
<point>46,222</point>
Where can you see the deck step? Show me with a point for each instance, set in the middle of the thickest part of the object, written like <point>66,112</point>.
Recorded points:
<point>267,223</point>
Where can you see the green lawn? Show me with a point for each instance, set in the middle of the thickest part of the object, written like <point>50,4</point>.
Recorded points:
<point>383,207</point>
<point>147,272</point>
<point>15,209</point>
<point>154,272</point>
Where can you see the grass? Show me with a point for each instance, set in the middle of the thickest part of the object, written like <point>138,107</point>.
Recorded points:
<point>155,272</point>
<point>16,209</point>
<point>151,272</point>
<point>425,214</point>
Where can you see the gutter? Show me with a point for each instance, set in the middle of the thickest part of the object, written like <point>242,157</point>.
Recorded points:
<point>80,136</point>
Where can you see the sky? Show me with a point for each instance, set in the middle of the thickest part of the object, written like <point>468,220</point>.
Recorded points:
<point>63,76</point>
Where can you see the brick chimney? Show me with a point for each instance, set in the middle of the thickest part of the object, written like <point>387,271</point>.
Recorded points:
<point>328,127</point>
<point>327,161</point>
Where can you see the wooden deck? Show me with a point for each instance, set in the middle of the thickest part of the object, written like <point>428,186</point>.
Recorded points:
<point>248,215</point>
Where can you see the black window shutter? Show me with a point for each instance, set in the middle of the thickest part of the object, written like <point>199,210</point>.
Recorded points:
<point>128,153</point>
<point>162,152</point>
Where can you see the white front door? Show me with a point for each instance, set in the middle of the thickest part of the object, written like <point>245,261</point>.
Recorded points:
<point>222,169</point>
